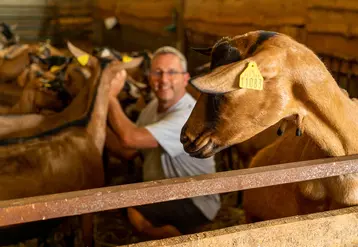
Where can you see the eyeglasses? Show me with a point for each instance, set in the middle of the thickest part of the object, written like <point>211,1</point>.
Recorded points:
<point>170,73</point>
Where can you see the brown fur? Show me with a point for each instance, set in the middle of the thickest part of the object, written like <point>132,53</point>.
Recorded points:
<point>44,50</point>
<point>65,161</point>
<point>298,87</point>
<point>13,60</point>
<point>36,98</point>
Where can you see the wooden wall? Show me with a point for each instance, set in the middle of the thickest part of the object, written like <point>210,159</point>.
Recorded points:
<point>327,27</point>
<point>58,20</point>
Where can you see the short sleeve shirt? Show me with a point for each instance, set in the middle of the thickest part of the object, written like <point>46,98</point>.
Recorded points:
<point>170,160</point>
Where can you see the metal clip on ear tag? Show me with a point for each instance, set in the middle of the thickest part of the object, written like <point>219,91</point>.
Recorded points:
<point>251,77</point>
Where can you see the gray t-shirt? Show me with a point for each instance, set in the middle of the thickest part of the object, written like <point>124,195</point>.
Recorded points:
<point>170,160</point>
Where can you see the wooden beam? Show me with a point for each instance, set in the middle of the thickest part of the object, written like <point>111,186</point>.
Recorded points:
<point>101,199</point>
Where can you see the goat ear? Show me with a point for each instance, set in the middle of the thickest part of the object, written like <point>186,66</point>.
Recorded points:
<point>82,57</point>
<point>133,63</point>
<point>77,52</point>
<point>204,51</point>
<point>223,79</point>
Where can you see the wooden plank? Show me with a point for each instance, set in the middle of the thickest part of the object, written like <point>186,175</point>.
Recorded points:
<point>233,12</point>
<point>94,200</point>
<point>333,228</point>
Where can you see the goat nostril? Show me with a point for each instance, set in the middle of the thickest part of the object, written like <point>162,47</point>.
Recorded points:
<point>183,137</point>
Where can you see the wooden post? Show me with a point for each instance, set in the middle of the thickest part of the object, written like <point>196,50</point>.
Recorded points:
<point>180,44</point>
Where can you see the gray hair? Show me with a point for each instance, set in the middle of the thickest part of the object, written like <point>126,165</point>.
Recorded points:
<point>172,50</point>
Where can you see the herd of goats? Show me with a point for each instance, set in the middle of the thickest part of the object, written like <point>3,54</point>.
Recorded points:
<point>53,133</point>
<point>52,138</point>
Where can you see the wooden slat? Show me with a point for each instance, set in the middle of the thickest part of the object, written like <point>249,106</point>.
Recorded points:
<point>89,201</point>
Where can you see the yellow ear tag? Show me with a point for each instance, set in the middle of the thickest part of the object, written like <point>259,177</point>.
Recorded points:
<point>47,85</point>
<point>55,68</point>
<point>83,60</point>
<point>126,59</point>
<point>251,77</point>
<point>41,49</point>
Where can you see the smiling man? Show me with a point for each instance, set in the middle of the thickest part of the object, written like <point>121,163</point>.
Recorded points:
<point>157,136</point>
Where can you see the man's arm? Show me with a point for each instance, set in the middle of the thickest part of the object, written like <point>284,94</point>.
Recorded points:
<point>115,147</point>
<point>129,135</point>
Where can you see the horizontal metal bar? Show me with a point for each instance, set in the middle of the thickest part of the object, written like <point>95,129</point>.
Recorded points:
<point>94,200</point>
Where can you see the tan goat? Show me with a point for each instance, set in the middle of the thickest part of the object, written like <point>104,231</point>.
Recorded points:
<point>35,96</point>
<point>60,152</point>
<point>47,92</point>
<point>298,88</point>
<point>13,60</point>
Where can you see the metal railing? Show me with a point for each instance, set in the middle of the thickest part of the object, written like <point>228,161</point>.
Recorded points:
<point>101,199</point>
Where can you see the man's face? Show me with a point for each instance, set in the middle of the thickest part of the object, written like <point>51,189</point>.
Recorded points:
<point>167,78</point>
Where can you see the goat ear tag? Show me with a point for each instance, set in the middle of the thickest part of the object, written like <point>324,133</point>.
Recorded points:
<point>83,60</point>
<point>55,68</point>
<point>127,59</point>
<point>41,49</point>
<point>251,77</point>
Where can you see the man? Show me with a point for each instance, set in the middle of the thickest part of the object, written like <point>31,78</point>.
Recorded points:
<point>157,136</point>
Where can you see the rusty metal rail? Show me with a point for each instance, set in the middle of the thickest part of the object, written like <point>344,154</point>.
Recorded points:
<point>101,199</point>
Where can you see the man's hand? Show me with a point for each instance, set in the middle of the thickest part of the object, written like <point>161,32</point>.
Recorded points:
<point>117,83</point>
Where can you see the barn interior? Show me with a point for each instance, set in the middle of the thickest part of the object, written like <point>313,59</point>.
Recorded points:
<point>134,27</point>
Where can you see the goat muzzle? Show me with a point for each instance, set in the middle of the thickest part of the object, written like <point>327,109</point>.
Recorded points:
<point>200,147</point>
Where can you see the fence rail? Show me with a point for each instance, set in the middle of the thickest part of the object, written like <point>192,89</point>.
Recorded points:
<point>101,199</point>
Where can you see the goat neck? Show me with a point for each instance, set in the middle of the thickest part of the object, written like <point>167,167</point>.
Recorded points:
<point>327,115</point>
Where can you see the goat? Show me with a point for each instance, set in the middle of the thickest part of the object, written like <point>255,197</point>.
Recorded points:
<point>60,152</point>
<point>298,89</point>
<point>42,91</point>
<point>48,91</point>
<point>13,60</point>
<point>51,141</point>
<point>136,93</point>
<point>45,50</point>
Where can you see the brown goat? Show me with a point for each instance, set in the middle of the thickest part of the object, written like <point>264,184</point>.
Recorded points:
<point>35,95</point>
<point>137,92</point>
<point>60,152</point>
<point>297,88</point>
<point>46,92</point>
<point>13,60</point>
<point>45,50</point>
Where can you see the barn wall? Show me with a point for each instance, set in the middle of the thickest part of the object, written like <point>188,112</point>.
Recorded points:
<point>327,27</point>
<point>58,20</point>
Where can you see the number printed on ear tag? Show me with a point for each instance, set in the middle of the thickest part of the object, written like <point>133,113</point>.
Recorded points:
<point>251,77</point>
